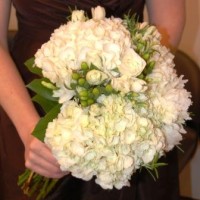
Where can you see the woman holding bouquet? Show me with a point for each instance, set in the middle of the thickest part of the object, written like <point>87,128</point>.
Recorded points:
<point>36,21</point>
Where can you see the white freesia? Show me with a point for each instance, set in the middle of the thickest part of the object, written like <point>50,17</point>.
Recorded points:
<point>63,94</point>
<point>128,84</point>
<point>98,13</point>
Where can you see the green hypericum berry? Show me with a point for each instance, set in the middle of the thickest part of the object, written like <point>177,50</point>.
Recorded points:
<point>146,56</point>
<point>109,88</point>
<point>140,46</point>
<point>96,91</point>
<point>90,101</point>
<point>83,98</point>
<point>83,93</point>
<point>84,66</point>
<point>84,103</point>
<point>75,76</point>
<point>81,81</point>
<point>152,64</point>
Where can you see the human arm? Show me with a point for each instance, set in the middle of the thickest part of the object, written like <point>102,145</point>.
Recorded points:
<point>169,17</point>
<point>15,100</point>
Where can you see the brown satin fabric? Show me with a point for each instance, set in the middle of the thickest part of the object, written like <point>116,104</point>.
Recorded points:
<point>11,160</point>
<point>37,19</point>
<point>143,186</point>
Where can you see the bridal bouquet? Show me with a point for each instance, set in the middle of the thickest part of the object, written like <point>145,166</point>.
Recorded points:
<point>113,100</point>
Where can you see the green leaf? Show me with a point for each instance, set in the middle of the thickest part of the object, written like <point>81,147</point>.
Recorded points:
<point>30,64</point>
<point>92,66</point>
<point>44,103</point>
<point>40,129</point>
<point>37,87</point>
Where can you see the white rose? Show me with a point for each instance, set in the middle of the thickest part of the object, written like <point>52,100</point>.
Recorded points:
<point>98,13</point>
<point>132,63</point>
<point>95,77</point>
<point>78,15</point>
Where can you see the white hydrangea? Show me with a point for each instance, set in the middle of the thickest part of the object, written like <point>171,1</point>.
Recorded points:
<point>103,140</point>
<point>92,41</point>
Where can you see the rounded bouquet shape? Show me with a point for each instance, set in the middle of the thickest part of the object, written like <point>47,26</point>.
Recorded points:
<point>117,102</point>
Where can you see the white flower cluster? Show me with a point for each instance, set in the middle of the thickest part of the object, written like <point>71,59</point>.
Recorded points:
<point>169,101</point>
<point>108,140</point>
<point>123,131</point>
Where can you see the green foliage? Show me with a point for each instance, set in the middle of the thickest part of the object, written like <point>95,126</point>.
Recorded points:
<point>32,183</point>
<point>44,103</point>
<point>152,167</point>
<point>30,64</point>
<point>39,88</point>
<point>40,129</point>
<point>142,45</point>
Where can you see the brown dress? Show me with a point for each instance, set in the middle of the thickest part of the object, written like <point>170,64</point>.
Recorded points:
<point>36,21</point>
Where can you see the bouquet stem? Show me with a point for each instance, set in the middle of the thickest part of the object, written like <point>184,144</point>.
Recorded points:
<point>34,184</point>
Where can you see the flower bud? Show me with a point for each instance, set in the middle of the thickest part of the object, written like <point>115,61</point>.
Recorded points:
<point>75,76</point>
<point>78,16</point>
<point>109,88</point>
<point>83,93</point>
<point>84,66</point>
<point>84,103</point>
<point>90,101</point>
<point>81,81</point>
<point>98,13</point>
<point>96,92</point>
